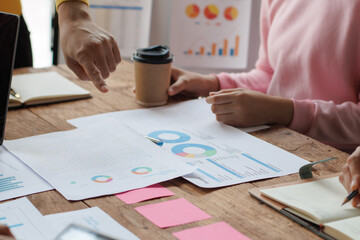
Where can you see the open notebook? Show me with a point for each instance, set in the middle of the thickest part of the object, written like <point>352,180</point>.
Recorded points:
<point>44,87</point>
<point>318,202</point>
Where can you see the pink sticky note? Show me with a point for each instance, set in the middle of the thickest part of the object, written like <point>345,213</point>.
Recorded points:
<point>143,194</point>
<point>172,213</point>
<point>215,231</point>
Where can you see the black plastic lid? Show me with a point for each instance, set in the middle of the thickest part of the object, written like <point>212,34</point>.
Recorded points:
<point>154,55</point>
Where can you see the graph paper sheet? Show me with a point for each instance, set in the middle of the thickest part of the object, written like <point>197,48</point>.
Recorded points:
<point>99,160</point>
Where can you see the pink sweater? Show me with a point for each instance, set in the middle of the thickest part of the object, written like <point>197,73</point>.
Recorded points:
<point>310,52</point>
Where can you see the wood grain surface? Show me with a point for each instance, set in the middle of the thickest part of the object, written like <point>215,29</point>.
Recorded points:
<point>230,204</point>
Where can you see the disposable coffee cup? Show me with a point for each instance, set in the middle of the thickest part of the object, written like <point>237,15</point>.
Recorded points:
<point>152,75</point>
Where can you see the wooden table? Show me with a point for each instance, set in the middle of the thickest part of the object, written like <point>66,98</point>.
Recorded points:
<point>230,204</point>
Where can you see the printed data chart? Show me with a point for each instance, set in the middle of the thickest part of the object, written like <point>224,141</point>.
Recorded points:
<point>225,156</point>
<point>211,35</point>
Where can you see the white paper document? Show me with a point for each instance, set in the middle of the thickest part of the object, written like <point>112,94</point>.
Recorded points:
<point>93,218</point>
<point>101,159</point>
<point>196,110</point>
<point>17,179</point>
<point>25,221</point>
<point>128,20</point>
<point>210,34</point>
<point>223,155</point>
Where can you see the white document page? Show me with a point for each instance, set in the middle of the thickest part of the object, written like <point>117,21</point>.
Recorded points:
<point>223,155</point>
<point>17,179</point>
<point>99,160</point>
<point>196,110</point>
<point>210,34</point>
<point>93,218</point>
<point>128,20</point>
<point>24,220</point>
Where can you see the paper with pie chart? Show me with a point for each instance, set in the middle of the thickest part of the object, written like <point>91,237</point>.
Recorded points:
<point>224,156</point>
<point>97,160</point>
<point>210,34</point>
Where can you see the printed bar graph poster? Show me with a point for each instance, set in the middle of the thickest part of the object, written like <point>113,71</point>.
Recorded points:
<point>210,34</point>
<point>127,20</point>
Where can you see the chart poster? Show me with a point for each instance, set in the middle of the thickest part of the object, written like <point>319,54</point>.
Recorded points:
<point>210,34</point>
<point>127,20</point>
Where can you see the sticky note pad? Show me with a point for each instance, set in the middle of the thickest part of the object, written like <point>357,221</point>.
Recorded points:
<point>172,213</point>
<point>143,194</point>
<point>215,231</point>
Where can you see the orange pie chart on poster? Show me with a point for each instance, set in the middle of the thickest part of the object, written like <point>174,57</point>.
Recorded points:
<point>211,11</point>
<point>192,10</point>
<point>231,13</point>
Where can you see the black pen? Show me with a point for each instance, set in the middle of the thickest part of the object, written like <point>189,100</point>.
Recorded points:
<point>15,94</point>
<point>350,196</point>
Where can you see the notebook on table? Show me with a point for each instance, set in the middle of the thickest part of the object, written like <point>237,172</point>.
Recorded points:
<point>316,205</point>
<point>9,28</point>
<point>44,87</point>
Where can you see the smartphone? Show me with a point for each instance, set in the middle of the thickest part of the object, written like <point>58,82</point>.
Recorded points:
<point>78,232</point>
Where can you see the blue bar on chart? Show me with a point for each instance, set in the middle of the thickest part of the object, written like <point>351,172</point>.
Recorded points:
<point>224,168</point>
<point>16,225</point>
<point>215,51</point>
<point>261,163</point>
<point>9,183</point>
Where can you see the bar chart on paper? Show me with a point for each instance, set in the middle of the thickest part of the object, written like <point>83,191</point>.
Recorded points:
<point>19,223</point>
<point>17,179</point>
<point>211,35</point>
<point>9,183</point>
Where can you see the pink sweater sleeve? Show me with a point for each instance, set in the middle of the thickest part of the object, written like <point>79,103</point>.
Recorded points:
<point>259,78</point>
<point>334,124</point>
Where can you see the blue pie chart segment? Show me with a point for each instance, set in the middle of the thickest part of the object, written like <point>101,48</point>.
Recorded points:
<point>179,150</point>
<point>181,137</point>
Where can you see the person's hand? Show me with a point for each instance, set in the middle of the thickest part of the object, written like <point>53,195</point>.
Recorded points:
<point>245,108</point>
<point>5,233</point>
<point>192,84</point>
<point>89,51</point>
<point>350,175</point>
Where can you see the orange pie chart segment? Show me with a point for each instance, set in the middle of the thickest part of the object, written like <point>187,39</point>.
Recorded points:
<point>211,11</point>
<point>192,10</point>
<point>231,13</point>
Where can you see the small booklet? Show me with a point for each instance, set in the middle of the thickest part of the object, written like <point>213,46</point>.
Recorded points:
<point>44,87</point>
<point>317,203</point>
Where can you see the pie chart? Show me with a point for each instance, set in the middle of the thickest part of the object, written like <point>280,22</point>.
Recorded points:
<point>193,150</point>
<point>231,13</point>
<point>192,10</point>
<point>211,11</point>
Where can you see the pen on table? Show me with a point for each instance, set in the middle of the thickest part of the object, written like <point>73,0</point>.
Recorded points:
<point>15,94</point>
<point>350,196</point>
<point>155,140</point>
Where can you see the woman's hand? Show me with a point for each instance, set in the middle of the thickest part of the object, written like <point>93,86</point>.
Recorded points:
<point>350,175</point>
<point>245,108</point>
<point>192,84</point>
